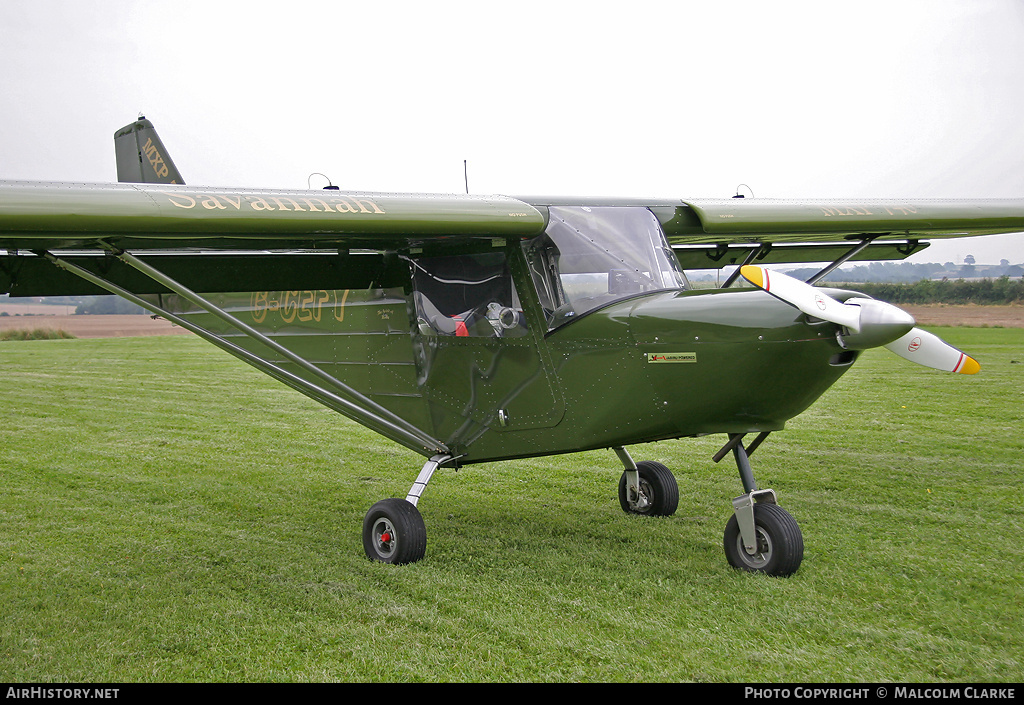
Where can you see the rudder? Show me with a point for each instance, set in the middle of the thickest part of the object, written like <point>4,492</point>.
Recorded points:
<point>142,157</point>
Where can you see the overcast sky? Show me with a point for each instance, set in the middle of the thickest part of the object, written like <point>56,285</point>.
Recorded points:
<point>901,98</point>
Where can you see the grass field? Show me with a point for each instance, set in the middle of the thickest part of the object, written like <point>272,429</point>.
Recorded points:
<point>169,514</point>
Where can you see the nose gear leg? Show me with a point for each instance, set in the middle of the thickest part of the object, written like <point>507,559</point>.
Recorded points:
<point>761,536</point>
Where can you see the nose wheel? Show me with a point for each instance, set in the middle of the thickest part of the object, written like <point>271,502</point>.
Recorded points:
<point>778,543</point>
<point>761,536</point>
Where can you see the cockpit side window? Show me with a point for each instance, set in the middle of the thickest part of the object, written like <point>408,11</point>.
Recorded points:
<point>467,296</point>
<point>591,256</point>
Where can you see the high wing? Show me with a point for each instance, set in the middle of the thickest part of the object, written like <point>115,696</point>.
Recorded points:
<point>261,229</point>
<point>717,233</point>
<point>795,221</point>
<point>144,216</point>
<point>261,226</point>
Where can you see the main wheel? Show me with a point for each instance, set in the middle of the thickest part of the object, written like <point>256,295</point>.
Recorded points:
<point>659,492</point>
<point>393,532</point>
<point>780,545</point>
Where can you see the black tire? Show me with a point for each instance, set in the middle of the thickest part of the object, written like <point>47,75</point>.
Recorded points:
<point>394,532</point>
<point>779,541</point>
<point>658,484</point>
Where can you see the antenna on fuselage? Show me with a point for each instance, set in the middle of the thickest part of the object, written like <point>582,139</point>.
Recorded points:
<point>740,195</point>
<point>328,187</point>
<point>465,173</point>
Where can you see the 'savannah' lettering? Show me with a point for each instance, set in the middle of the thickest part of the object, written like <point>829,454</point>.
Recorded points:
<point>209,201</point>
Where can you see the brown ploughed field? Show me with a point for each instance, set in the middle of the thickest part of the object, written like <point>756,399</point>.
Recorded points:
<point>48,317</point>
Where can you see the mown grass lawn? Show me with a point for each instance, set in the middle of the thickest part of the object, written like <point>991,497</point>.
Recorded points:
<point>169,514</point>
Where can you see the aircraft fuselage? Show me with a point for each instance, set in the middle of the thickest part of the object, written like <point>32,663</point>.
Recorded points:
<point>655,367</point>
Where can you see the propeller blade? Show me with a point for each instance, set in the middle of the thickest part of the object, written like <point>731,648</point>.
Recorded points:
<point>805,297</point>
<point>869,323</point>
<point>930,350</point>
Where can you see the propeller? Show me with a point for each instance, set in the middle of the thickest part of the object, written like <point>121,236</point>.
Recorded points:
<point>865,323</point>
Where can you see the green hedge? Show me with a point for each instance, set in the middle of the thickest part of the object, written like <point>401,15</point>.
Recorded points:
<point>945,291</point>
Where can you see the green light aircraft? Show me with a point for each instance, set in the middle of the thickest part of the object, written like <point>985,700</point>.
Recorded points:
<point>479,328</point>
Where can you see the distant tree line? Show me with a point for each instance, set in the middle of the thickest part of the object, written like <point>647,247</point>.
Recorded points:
<point>909,272</point>
<point>1002,290</point>
<point>928,283</point>
<point>106,304</point>
<point>82,304</point>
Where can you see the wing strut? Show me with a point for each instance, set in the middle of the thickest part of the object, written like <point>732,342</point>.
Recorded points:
<point>372,415</point>
<point>747,260</point>
<point>840,261</point>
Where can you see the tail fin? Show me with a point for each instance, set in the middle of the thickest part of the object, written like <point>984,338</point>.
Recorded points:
<point>142,157</point>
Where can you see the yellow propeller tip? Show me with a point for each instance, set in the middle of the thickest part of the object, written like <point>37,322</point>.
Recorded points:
<point>753,274</point>
<point>970,366</point>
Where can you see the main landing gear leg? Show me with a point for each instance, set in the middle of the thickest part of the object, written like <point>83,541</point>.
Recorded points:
<point>761,536</point>
<point>393,529</point>
<point>646,488</point>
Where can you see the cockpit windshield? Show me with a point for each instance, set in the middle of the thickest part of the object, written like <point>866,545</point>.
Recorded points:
<point>591,256</point>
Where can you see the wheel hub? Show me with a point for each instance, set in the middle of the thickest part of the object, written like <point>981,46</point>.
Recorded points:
<point>761,555</point>
<point>384,537</point>
<point>641,500</point>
